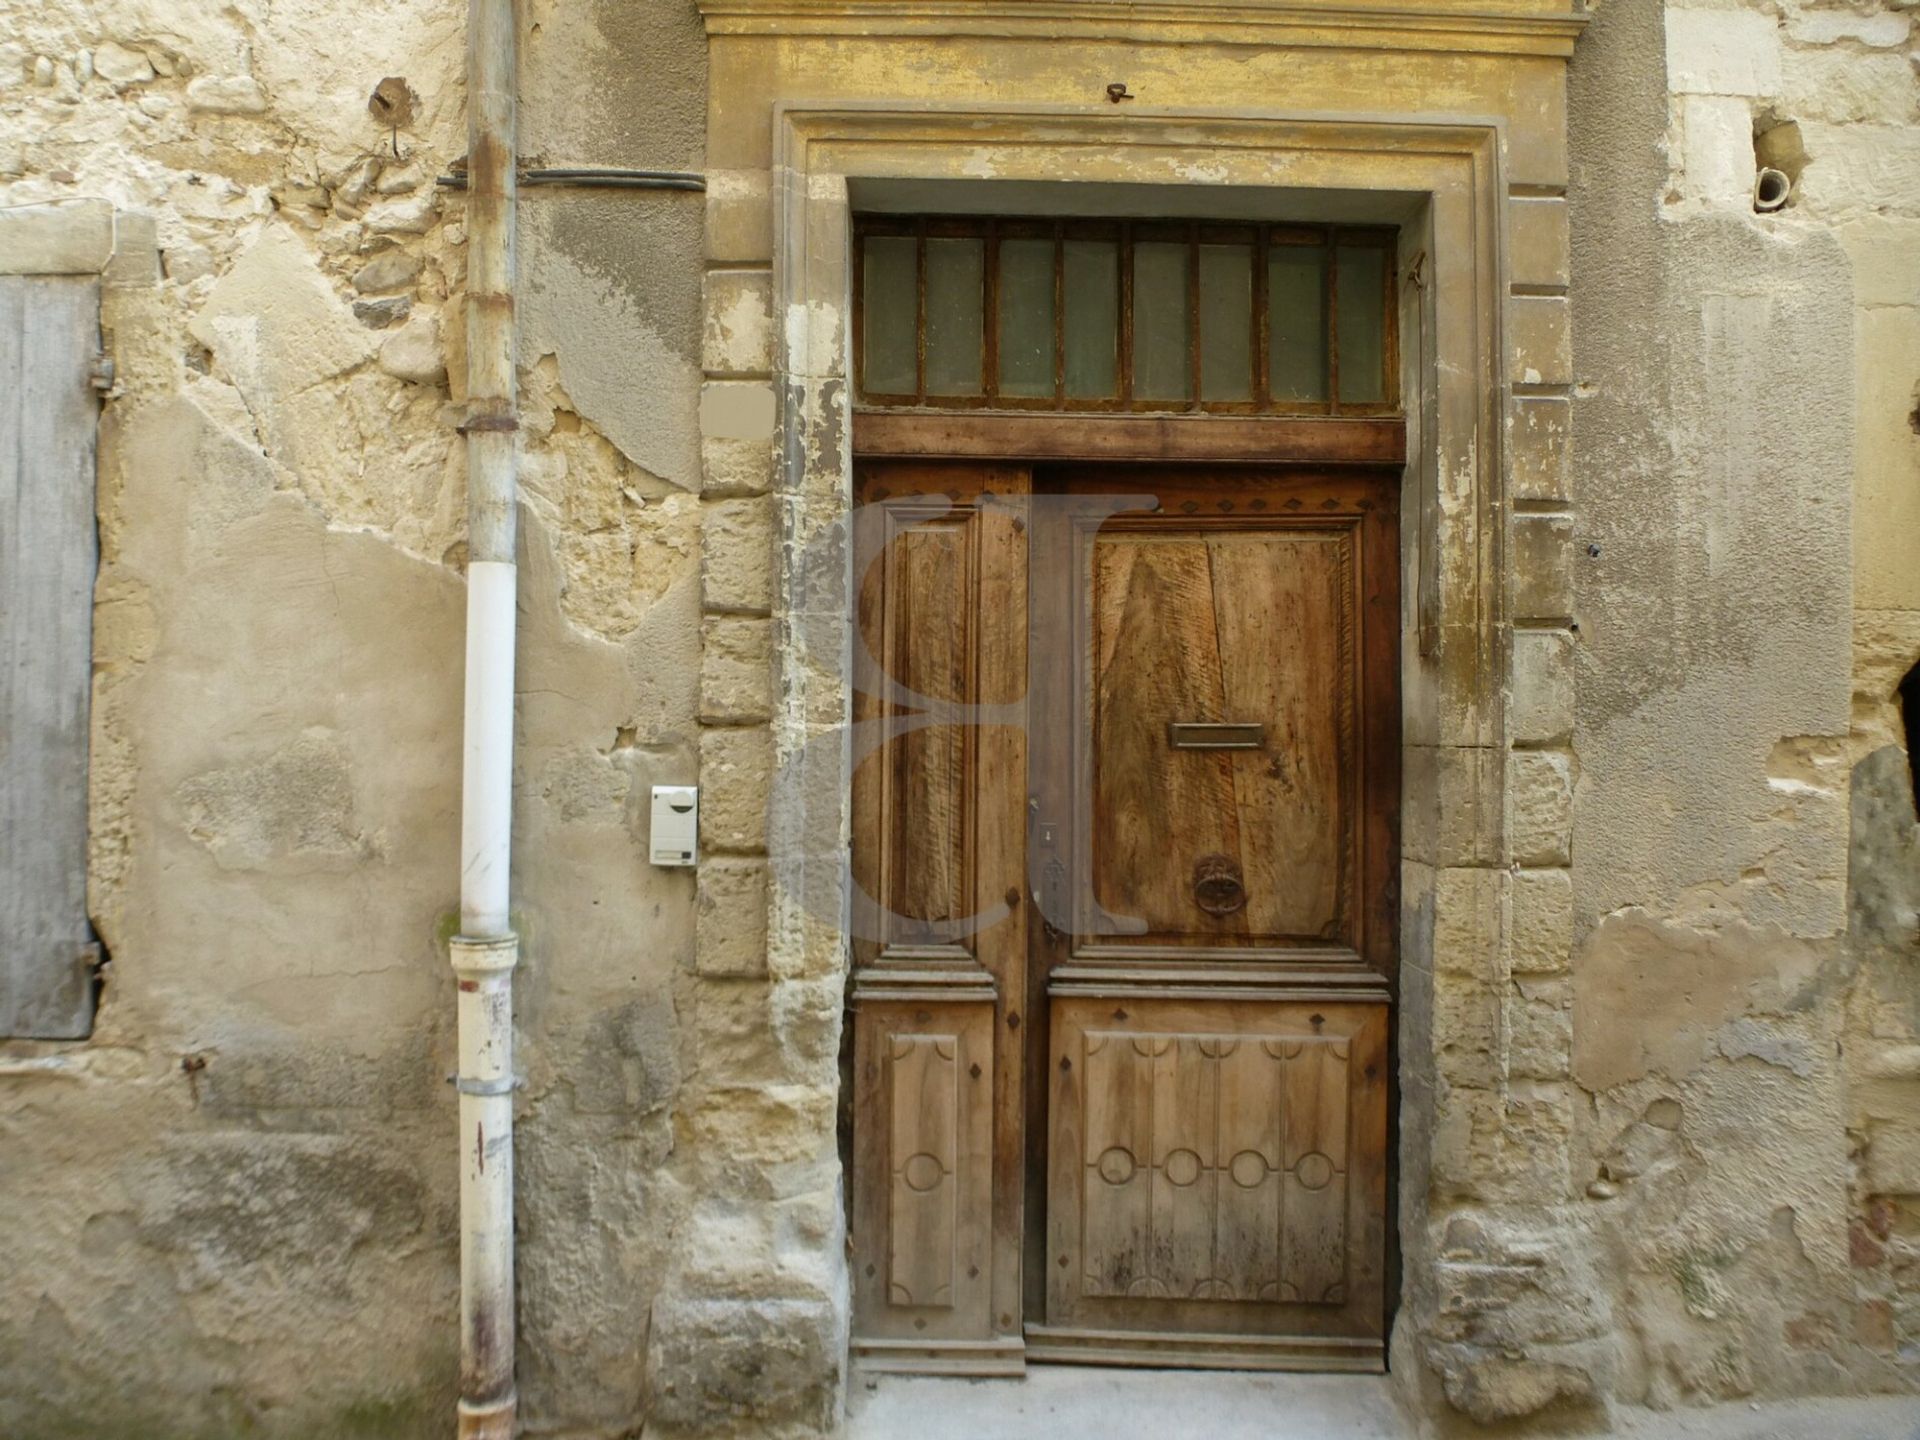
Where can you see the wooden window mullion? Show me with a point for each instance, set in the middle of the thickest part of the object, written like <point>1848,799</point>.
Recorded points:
<point>920,313</point>
<point>1126,315</point>
<point>1194,402</point>
<point>1059,316</point>
<point>1262,399</point>
<point>1332,252</point>
<point>990,322</point>
<point>1260,240</point>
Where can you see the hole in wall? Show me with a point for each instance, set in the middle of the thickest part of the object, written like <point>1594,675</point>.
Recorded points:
<point>1779,157</point>
<point>1908,693</point>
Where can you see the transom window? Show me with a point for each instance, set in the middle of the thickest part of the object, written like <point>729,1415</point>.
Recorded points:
<point>1090,315</point>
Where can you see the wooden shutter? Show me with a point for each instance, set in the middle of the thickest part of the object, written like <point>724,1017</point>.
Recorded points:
<point>49,336</point>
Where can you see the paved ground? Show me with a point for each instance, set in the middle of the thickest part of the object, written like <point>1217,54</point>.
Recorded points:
<point>1085,1402</point>
<point>1065,1402</point>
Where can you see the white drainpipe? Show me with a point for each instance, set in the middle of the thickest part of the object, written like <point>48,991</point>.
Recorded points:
<point>486,949</point>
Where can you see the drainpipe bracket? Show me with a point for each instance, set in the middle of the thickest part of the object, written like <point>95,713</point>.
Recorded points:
<point>478,958</point>
<point>506,1085</point>
<point>488,1420</point>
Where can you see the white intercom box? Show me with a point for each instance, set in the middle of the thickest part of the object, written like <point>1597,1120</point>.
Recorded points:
<point>676,825</point>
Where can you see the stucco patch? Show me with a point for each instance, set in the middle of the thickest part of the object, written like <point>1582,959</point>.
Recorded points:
<point>296,803</point>
<point>1649,996</point>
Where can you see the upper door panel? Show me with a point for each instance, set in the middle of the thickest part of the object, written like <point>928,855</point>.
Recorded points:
<point>1222,698</point>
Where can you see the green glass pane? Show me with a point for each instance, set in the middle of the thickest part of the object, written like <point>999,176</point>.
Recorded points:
<point>1297,322</point>
<point>888,305</point>
<point>1361,322</point>
<point>1090,282</point>
<point>1026,317</point>
<point>1162,323</point>
<point>956,312</point>
<point>1226,322</point>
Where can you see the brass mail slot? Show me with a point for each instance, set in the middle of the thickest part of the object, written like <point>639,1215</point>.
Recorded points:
<point>1213,735</point>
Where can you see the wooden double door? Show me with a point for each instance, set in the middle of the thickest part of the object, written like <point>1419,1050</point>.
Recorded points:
<point>1124,794</point>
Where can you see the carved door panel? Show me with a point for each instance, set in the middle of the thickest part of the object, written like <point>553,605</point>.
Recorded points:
<point>939,802</point>
<point>1124,778</point>
<point>1214,766</point>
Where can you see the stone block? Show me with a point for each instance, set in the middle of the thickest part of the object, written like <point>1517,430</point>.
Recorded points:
<point>818,562</point>
<point>736,556</point>
<point>1466,1032</point>
<point>1847,87</point>
<point>735,467</point>
<point>1717,164</point>
<point>384,311</point>
<point>1540,346</point>
<point>1536,1143</point>
<point>1541,930</point>
<point>1886,457</point>
<point>225,95</point>
<point>277,323</point>
<point>727,1365</point>
<point>730,931</point>
<point>737,410</point>
<point>737,338</point>
<point>736,779</point>
<point>1540,1028</point>
<point>736,670</point>
<point>1538,245</point>
<point>56,239</point>
<point>1540,806</point>
<point>764,1140</point>
<point>739,217</point>
<point>1882,248</point>
<point>1542,556</point>
<point>1493,1386</point>
<point>121,67</point>
<point>819,421</point>
<point>1466,1139</point>
<point>1541,706</point>
<point>408,215</point>
<point>1513,1290</point>
<point>810,898</point>
<point>413,353</point>
<point>388,271</point>
<point>136,253</point>
<point>1466,923</point>
<point>1452,816</point>
<point>1855,169</point>
<point>1882,30</point>
<point>1722,52</point>
<point>1539,433</point>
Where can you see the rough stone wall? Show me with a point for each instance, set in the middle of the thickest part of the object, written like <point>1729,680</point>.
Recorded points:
<point>232,1210</point>
<point>1676,1157</point>
<point>1745,964</point>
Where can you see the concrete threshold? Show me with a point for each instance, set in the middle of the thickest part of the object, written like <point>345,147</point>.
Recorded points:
<point>1085,1402</point>
<point>1074,1402</point>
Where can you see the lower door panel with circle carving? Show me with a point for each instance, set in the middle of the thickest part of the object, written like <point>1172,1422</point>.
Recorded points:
<point>1217,1183</point>
<point>1215,771</point>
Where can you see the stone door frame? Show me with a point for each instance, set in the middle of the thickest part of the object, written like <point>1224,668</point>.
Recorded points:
<point>1460,645</point>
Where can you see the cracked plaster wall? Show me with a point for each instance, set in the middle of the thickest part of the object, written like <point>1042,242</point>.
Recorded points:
<point>238,1209</point>
<point>255,1145</point>
<point>1746,477</point>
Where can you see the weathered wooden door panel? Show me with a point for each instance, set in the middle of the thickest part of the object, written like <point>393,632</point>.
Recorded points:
<point>49,338</point>
<point>923,1165</point>
<point>1218,1170</point>
<point>1136,783</point>
<point>939,787</point>
<point>1218,794</point>
<point>1195,627</point>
